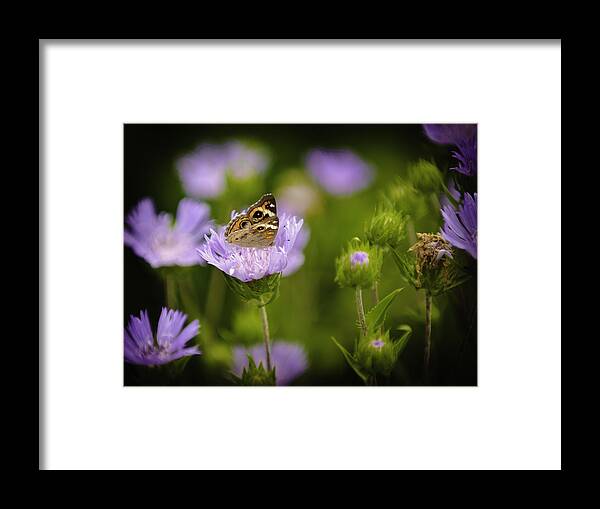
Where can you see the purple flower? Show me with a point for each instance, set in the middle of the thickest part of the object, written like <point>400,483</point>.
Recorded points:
<point>249,263</point>
<point>455,193</point>
<point>203,171</point>
<point>450,134</point>
<point>339,172</point>
<point>466,157</point>
<point>243,161</point>
<point>298,199</point>
<point>378,344</point>
<point>141,347</point>
<point>155,238</point>
<point>289,360</point>
<point>296,255</point>
<point>460,226</point>
<point>359,258</point>
<point>464,137</point>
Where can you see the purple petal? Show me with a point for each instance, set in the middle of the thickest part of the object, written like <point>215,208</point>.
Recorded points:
<point>192,217</point>
<point>289,360</point>
<point>460,226</point>
<point>246,263</point>
<point>139,346</point>
<point>185,335</point>
<point>449,134</point>
<point>339,172</point>
<point>154,237</point>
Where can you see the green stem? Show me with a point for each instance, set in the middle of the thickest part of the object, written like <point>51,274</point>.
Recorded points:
<point>214,297</point>
<point>170,291</point>
<point>427,332</point>
<point>376,292</point>
<point>266,334</point>
<point>187,297</point>
<point>360,311</point>
<point>191,306</point>
<point>410,228</point>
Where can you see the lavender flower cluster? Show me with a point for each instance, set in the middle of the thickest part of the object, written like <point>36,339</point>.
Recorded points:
<point>191,238</point>
<point>203,172</point>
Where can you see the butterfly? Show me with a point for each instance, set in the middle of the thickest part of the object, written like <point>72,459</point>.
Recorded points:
<point>256,226</point>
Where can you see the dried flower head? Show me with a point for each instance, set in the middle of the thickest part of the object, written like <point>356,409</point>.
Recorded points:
<point>433,252</point>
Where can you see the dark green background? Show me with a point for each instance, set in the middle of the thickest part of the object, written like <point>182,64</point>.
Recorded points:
<point>311,307</point>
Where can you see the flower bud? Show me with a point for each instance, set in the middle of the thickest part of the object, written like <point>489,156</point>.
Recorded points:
<point>433,268</point>
<point>425,177</point>
<point>359,265</point>
<point>256,375</point>
<point>377,355</point>
<point>359,258</point>
<point>405,197</point>
<point>256,291</point>
<point>386,228</point>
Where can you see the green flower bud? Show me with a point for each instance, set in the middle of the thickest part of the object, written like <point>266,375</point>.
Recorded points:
<point>256,375</point>
<point>405,197</point>
<point>258,291</point>
<point>359,265</point>
<point>425,177</point>
<point>386,227</point>
<point>377,355</point>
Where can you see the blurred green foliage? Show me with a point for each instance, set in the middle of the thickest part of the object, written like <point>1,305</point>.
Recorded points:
<point>411,172</point>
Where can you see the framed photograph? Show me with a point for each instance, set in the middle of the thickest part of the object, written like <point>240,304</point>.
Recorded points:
<point>270,253</point>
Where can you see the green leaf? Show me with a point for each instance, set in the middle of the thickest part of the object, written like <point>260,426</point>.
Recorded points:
<point>175,368</point>
<point>400,342</point>
<point>456,281</point>
<point>376,316</point>
<point>406,266</point>
<point>351,361</point>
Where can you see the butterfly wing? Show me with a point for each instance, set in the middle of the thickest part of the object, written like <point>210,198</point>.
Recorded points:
<point>256,226</point>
